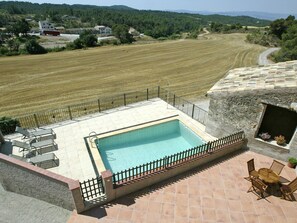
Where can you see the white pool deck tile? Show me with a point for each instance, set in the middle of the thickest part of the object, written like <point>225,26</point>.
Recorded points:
<point>74,158</point>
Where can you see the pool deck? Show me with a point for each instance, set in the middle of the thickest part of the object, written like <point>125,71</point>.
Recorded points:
<point>214,193</point>
<point>74,159</point>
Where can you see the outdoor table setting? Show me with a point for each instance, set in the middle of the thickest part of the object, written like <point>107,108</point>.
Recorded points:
<point>272,180</point>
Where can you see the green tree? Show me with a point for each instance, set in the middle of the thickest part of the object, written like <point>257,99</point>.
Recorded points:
<point>280,26</point>
<point>122,33</point>
<point>88,39</point>
<point>21,26</point>
<point>289,45</point>
<point>32,47</point>
<point>13,45</point>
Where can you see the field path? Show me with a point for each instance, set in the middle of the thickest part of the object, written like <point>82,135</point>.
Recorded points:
<point>263,57</point>
<point>31,83</point>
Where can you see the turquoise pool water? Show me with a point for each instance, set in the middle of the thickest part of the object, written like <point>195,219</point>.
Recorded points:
<point>137,147</point>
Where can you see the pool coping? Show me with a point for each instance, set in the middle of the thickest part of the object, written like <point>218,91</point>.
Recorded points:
<point>94,152</point>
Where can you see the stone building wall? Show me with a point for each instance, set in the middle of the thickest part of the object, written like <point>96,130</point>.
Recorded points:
<point>231,112</point>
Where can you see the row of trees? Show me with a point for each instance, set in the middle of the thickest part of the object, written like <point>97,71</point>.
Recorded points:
<point>226,28</point>
<point>153,23</point>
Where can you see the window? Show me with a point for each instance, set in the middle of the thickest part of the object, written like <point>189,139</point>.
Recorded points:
<point>279,121</point>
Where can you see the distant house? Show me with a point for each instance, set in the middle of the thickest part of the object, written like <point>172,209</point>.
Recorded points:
<point>133,32</point>
<point>104,30</point>
<point>47,28</point>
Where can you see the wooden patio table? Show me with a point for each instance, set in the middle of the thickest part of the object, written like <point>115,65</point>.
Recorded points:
<point>272,179</point>
<point>268,176</point>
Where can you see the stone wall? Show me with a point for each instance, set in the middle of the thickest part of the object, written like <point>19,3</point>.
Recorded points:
<point>231,112</point>
<point>32,181</point>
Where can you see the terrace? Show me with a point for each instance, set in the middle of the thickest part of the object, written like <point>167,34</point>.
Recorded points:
<point>216,192</point>
<point>212,192</point>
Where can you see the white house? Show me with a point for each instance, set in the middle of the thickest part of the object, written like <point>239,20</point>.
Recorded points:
<point>48,28</point>
<point>46,25</point>
<point>105,30</point>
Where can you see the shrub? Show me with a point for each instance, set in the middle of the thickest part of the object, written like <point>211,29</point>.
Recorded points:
<point>33,47</point>
<point>56,49</point>
<point>7,125</point>
<point>3,50</point>
<point>293,161</point>
<point>104,42</point>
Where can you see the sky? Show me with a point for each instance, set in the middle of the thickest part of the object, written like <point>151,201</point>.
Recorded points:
<point>270,6</point>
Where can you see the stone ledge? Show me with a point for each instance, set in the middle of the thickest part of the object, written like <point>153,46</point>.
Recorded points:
<point>280,149</point>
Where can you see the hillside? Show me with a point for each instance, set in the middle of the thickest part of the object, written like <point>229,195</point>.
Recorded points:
<point>152,23</point>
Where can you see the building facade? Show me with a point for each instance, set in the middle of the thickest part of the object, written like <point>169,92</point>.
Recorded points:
<point>257,100</point>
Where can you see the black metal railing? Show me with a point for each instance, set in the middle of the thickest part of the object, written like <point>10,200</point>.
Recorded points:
<point>183,105</point>
<point>175,159</point>
<point>92,188</point>
<point>70,112</point>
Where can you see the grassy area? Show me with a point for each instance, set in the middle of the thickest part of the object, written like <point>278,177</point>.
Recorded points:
<point>188,67</point>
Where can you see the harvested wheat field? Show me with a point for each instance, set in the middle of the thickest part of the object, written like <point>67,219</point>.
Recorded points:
<point>188,67</point>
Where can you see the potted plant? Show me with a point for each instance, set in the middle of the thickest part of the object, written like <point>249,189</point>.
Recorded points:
<point>265,136</point>
<point>280,140</point>
<point>292,162</point>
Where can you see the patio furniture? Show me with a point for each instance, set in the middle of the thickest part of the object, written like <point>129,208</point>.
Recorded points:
<point>288,190</point>
<point>268,176</point>
<point>271,179</point>
<point>251,170</point>
<point>277,167</point>
<point>40,133</point>
<point>258,187</point>
<point>39,159</point>
<point>24,146</point>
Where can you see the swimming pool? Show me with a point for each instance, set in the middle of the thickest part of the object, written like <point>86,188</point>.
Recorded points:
<point>126,150</point>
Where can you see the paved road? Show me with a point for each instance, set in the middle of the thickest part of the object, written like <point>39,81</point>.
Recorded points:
<point>263,60</point>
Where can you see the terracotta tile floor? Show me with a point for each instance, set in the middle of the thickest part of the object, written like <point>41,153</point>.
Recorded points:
<point>215,193</point>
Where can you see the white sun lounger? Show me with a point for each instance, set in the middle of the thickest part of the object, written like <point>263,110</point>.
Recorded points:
<point>36,145</point>
<point>39,159</point>
<point>40,133</point>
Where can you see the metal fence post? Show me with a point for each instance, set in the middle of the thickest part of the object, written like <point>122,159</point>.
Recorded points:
<point>1,137</point>
<point>147,94</point>
<point>158,91</point>
<point>165,161</point>
<point>70,115</point>
<point>193,110</point>
<point>124,99</point>
<point>99,107</point>
<point>208,146</point>
<point>174,100</point>
<point>36,120</point>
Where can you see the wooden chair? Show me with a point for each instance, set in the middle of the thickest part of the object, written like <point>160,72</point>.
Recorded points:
<point>288,190</point>
<point>258,187</point>
<point>277,167</point>
<point>251,169</point>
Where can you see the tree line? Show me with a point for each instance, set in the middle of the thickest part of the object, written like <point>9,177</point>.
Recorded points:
<point>153,23</point>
